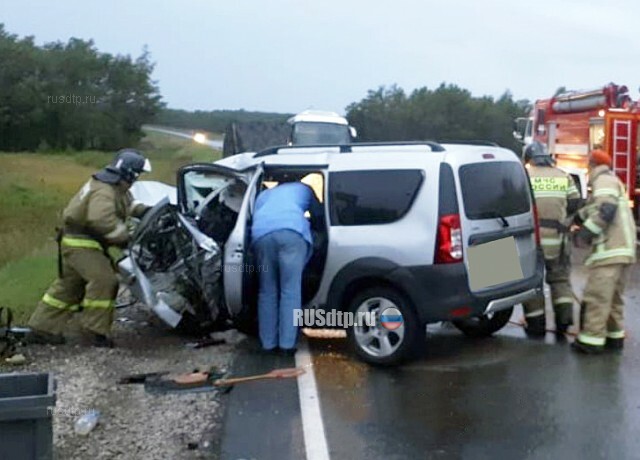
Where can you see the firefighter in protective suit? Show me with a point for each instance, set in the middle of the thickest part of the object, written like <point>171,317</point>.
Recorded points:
<point>609,229</point>
<point>557,198</point>
<point>94,219</point>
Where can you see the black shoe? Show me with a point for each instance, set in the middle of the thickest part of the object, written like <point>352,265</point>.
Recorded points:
<point>288,351</point>
<point>564,316</point>
<point>536,327</point>
<point>269,351</point>
<point>586,349</point>
<point>614,344</point>
<point>102,341</point>
<point>561,331</point>
<point>43,338</point>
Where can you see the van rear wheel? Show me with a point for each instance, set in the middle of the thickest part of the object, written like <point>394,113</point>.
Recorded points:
<point>485,325</point>
<point>396,332</point>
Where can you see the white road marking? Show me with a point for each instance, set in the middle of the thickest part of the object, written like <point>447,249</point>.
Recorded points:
<point>315,440</point>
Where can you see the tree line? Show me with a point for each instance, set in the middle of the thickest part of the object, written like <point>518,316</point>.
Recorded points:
<point>71,96</point>
<point>447,113</point>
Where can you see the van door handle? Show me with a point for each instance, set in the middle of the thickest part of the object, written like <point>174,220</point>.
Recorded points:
<point>480,238</point>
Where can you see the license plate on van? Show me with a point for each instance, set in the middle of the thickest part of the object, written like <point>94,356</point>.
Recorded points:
<point>493,263</point>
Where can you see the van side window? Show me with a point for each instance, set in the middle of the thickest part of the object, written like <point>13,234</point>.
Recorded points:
<point>372,197</point>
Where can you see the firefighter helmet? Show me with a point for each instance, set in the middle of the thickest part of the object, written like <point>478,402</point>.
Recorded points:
<point>537,154</point>
<point>127,165</point>
<point>600,157</point>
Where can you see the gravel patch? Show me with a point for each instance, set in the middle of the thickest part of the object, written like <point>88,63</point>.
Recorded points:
<point>133,424</point>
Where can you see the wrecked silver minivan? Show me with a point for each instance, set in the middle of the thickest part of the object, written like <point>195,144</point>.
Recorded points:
<point>397,238</point>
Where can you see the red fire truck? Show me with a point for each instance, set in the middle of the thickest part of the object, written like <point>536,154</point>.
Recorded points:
<point>574,123</point>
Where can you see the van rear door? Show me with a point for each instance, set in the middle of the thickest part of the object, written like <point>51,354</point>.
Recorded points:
<point>497,203</point>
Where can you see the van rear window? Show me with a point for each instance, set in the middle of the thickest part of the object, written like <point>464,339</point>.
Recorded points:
<point>494,189</point>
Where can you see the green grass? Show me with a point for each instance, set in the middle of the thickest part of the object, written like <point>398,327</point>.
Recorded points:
<point>23,281</point>
<point>35,187</point>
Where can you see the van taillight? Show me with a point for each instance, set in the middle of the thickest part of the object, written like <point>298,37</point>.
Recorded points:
<point>536,224</point>
<point>449,239</point>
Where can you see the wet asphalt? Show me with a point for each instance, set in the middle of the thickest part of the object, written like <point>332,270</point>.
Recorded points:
<point>501,397</point>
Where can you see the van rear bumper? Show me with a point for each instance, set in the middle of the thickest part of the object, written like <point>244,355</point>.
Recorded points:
<point>506,302</point>
<point>441,292</point>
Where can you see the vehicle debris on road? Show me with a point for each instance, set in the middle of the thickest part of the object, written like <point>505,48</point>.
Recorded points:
<point>85,424</point>
<point>16,359</point>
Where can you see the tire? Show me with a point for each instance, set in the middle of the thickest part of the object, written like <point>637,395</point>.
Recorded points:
<point>190,326</point>
<point>247,322</point>
<point>380,345</point>
<point>485,325</point>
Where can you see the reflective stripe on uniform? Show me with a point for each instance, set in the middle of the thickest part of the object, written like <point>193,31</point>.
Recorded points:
<point>53,302</point>
<point>606,192</point>
<point>75,242</point>
<point>90,303</point>
<point>628,225</point>
<point>57,303</point>
<point>591,340</point>
<point>606,254</point>
<point>561,300</point>
<point>533,314</point>
<point>615,334</point>
<point>546,194</point>
<point>551,241</point>
<point>591,225</point>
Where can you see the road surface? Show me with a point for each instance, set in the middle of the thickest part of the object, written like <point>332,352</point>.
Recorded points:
<point>501,397</point>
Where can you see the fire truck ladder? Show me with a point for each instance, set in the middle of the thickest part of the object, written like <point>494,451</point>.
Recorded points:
<point>622,150</point>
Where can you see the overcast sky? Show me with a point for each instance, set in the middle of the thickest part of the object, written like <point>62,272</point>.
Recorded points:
<point>287,56</point>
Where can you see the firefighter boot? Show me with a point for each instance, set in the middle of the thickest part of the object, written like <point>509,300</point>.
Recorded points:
<point>564,319</point>
<point>586,348</point>
<point>536,327</point>
<point>43,338</point>
<point>614,344</point>
<point>100,341</point>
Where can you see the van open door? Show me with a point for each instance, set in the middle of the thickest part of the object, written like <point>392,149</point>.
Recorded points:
<point>235,250</point>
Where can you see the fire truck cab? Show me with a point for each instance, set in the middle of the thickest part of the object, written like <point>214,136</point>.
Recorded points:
<point>574,123</point>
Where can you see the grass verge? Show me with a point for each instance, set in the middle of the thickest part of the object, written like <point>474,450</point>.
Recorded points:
<point>35,187</point>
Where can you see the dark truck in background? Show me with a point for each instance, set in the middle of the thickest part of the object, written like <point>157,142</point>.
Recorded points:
<point>311,127</point>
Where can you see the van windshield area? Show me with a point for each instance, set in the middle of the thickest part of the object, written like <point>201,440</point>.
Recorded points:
<point>497,189</point>
<point>198,185</point>
<point>317,133</point>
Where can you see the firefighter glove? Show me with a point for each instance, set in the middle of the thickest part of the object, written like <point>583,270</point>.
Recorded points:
<point>583,237</point>
<point>608,212</point>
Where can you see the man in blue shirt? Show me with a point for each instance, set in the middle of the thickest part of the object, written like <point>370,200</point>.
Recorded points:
<point>282,242</point>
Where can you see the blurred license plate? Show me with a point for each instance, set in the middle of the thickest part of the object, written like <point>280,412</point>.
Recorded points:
<point>493,263</point>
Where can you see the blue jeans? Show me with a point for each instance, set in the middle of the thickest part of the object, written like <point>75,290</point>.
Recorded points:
<point>281,257</point>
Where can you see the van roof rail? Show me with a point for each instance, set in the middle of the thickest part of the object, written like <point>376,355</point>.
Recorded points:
<point>471,142</point>
<point>348,148</point>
